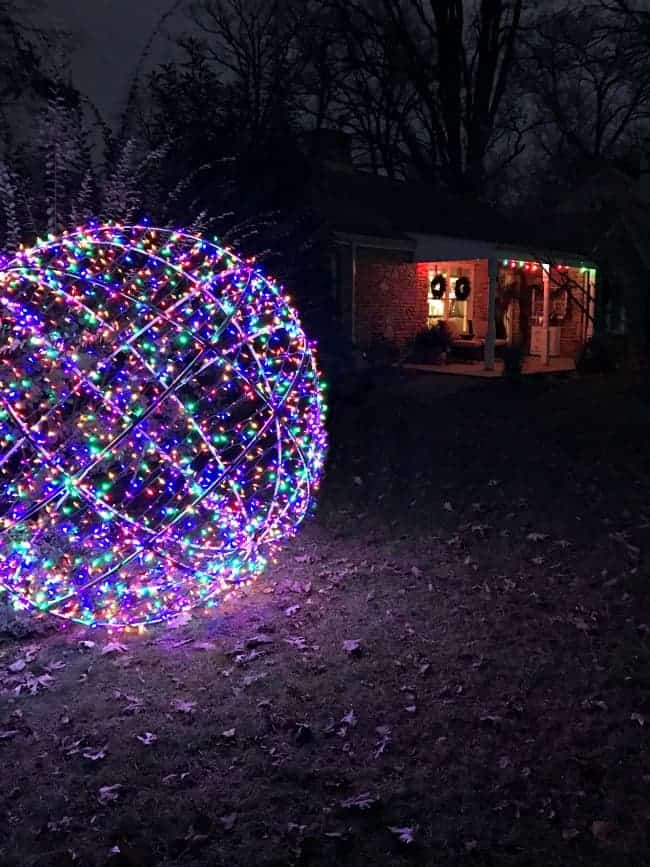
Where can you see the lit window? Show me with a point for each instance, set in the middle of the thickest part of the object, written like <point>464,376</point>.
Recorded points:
<point>436,307</point>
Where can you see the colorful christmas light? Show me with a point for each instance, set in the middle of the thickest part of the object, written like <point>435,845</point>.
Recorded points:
<point>161,424</point>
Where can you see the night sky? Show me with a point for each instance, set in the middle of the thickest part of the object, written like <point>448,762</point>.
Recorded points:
<point>109,36</point>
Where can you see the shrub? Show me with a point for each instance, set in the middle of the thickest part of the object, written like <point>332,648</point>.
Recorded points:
<point>430,345</point>
<point>601,354</point>
<point>513,361</point>
<point>381,352</point>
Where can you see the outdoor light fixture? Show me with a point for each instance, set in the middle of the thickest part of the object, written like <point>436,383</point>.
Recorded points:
<point>161,424</point>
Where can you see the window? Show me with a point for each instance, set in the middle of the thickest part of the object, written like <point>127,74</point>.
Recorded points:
<point>436,308</point>
<point>457,309</point>
<point>448,307</point>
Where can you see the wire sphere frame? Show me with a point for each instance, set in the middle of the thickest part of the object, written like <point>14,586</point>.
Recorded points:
<point>161,424</point>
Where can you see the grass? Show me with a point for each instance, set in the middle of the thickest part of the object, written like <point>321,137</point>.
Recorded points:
<point>487,549</point>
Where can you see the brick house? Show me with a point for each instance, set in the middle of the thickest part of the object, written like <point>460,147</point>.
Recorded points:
<point>391,239</point>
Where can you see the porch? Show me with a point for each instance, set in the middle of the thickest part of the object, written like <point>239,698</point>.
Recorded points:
<point>533,365</point>
<point>459,315</point>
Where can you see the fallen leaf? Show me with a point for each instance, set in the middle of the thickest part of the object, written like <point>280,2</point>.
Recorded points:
<point>352,646</point>
<point>361,802</point>
<point>17,666</point>
<point>8,734</point>
<point>406,834</point>
<point>229,734</point>
<point>55,665</point>
<point>147,738</point>
<point>384,733</point>
<point>228,821</point>
<point>109,793</point>
<point>350,718</point>
<point>183,706</point>
<point>95,755</point>
<point>114,647</point>
<point>638,717</point>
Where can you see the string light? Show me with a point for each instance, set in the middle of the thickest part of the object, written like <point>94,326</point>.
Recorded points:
<point>161,424</point>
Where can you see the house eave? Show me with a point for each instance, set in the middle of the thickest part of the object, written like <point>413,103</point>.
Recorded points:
<point>449,248</point>
<point>375,241</point>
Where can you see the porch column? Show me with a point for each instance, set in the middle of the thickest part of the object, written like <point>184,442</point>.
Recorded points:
<point>490,339</point>
<point>546,283</point>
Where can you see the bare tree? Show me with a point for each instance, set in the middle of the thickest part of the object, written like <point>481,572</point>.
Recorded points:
<point>454,70</point>
<point>589,79</point>
<point>254,48</point>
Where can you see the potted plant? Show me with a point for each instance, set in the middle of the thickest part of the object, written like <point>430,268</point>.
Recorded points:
<point>431,345</point>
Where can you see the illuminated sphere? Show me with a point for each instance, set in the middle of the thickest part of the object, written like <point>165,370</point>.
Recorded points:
<point>161,424</point>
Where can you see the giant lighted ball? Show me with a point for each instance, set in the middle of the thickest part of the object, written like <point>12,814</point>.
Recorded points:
<point>161,424</point>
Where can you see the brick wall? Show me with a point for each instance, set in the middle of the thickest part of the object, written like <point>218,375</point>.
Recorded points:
<point>391,298</point>
<point>391,302</point>
<point>570,332</point>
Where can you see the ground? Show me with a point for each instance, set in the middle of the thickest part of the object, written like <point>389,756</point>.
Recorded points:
<point>449,666</point>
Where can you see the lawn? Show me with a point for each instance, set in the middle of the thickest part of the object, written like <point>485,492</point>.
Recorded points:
<point>449,666</point>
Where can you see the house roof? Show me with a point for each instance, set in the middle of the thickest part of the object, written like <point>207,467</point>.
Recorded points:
<point>359,203</point>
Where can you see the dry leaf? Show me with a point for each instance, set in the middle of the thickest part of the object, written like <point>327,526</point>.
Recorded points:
<point>8,734</point>
<point>352,646</point>
<point>406,834</point>
<point>114,647</point>
<point>228,821</point>
<point>362,802</point>
<point>183,706</point>
<point>147,738</point>
<point>17,666</point>
<point>95,755</point>
<point>109,793</point>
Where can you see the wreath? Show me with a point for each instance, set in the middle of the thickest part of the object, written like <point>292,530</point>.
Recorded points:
<point>462,289</point>
<point>438,286</point>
